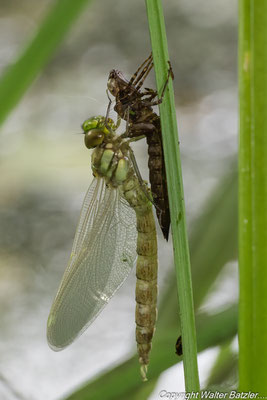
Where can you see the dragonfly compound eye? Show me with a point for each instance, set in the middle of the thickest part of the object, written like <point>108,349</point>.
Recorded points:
<point>93,138</point>
<point>90,123</point>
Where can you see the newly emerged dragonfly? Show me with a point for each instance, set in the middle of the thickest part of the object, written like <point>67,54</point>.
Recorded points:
<point>116,224</point>
<point>135,106</point>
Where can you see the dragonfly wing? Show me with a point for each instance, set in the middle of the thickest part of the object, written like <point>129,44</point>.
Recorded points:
<point>103,254</point>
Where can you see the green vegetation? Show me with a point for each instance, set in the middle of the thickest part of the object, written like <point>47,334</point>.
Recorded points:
<point>21,74</point>
<point>176,195</point>
<point>253,196</point>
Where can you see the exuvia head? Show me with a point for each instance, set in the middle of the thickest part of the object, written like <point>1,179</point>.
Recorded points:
<point>116,82</point>
<point>95,129</point>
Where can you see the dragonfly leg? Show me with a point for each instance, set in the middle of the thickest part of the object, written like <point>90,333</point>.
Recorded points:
<point>170,74</point>
<point>144,75</point>
<point>107,113</point>
<point>151,93</point>
<point>135,78</point>
<point>127,119</point>
<point>118,122</point>
<point>136,138</point>
<point>159,101</point>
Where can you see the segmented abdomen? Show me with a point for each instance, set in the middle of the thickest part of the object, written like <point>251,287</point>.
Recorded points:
<point>157,177</point>
<point>146,271</point>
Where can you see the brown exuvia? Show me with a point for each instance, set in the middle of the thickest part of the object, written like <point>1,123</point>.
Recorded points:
<point>134,105</point>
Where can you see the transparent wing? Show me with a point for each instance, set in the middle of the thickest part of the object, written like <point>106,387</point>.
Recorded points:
<point>103,253</point>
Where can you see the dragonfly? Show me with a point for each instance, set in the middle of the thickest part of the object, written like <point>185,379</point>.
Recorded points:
<point>135,106</point>
<point>116,226</point>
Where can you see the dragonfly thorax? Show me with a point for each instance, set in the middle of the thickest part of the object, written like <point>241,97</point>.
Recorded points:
<point>111,162</point>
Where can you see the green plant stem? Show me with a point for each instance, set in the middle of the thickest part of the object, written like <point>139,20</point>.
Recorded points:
<point>245,202</point>
<point>253,196</point>
<point>176,195</point>
<point>19,75</point>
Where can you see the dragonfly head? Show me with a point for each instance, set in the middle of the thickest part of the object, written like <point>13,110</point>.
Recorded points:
<point>95,130</point>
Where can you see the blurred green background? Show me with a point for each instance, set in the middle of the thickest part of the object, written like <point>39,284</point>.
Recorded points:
<point>45,172</point>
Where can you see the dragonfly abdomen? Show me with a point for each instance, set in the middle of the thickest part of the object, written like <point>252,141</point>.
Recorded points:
<point>146,293</point>
<point>146,270</point>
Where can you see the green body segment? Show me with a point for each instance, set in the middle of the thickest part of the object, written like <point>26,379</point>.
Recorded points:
<point>146,270</point>
<point>146,289</point>
<point>119,173</point>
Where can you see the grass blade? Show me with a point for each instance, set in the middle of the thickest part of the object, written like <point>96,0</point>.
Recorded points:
<point>224,370</point>
<point>176,196</point>
<point>245,201</point>
<point>216,225</point>
<point>253,196</point>
<point>19,75</point>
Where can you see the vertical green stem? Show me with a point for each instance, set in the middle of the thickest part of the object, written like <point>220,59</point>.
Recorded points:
<point>245,203</point>
<point>253,195</point>
<point>176,195</point>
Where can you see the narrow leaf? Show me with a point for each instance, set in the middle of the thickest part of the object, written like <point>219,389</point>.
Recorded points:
<point>20,75</point>
<point>176,195</point>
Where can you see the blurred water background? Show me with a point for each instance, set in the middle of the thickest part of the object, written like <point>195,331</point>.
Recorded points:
<point>45,172</point>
